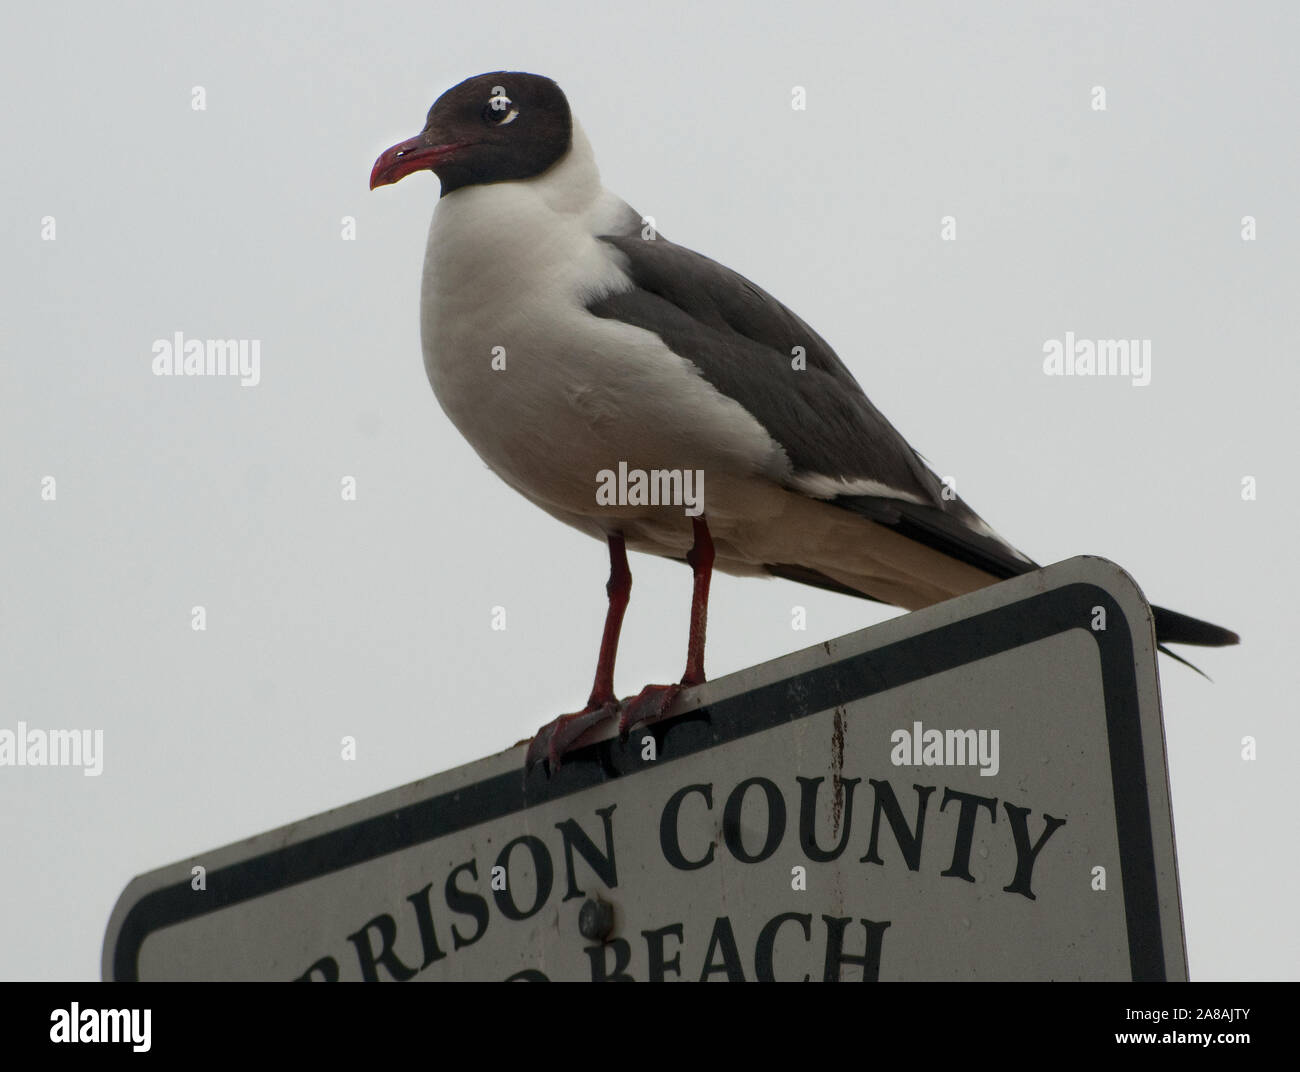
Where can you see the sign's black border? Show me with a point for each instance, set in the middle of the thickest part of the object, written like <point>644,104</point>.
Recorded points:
<point>947,647</point>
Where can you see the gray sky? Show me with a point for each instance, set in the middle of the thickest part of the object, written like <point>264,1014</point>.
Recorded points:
<point>373,618</point>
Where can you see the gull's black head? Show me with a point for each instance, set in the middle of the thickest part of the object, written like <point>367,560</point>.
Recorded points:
<point>491,128</point>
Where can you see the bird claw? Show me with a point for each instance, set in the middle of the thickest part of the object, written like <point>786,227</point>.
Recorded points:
<point>554,739</point>
<point>649,705</point>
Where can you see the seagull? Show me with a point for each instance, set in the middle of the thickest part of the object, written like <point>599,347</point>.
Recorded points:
<point>659,401</point>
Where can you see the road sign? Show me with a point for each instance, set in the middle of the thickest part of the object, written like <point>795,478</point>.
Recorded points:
<point>972,791</point>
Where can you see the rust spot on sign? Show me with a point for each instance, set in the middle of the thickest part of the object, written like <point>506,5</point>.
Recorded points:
<point>837,772</point>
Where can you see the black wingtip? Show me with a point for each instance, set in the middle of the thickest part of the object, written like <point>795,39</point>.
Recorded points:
<point>1175,628</point>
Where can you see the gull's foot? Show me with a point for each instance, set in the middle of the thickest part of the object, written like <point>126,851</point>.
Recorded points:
<point>648,705</point>
<point>555,738</point>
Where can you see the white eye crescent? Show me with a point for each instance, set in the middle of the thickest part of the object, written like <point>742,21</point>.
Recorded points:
<point>500,108</point>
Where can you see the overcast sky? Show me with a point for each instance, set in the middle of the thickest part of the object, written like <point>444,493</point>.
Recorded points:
<point>130,215</point>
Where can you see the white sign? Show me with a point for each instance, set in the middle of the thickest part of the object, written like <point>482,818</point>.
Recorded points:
<point>972,791</point>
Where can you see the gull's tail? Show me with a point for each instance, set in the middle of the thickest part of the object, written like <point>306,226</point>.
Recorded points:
<point>957,532</point>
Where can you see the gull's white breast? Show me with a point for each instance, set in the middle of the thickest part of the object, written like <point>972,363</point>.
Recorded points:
<point>508,271</point>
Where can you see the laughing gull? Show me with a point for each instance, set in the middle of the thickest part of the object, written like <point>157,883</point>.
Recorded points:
<point>656,399</point>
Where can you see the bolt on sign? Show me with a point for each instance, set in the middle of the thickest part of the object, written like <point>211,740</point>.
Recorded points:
<point>973,791</point>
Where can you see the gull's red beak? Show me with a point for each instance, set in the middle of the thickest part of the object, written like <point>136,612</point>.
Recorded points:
<point>420,153</point>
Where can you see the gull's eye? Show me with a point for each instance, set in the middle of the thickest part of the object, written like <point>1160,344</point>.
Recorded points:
<point>499,110</point>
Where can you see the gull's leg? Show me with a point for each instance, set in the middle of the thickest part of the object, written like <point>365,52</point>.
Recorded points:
<point>700,559</point>
<point>654,701</point>
<point>555,738</point>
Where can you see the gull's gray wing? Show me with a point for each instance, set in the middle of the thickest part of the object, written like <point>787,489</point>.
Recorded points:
<point>842,449</point>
